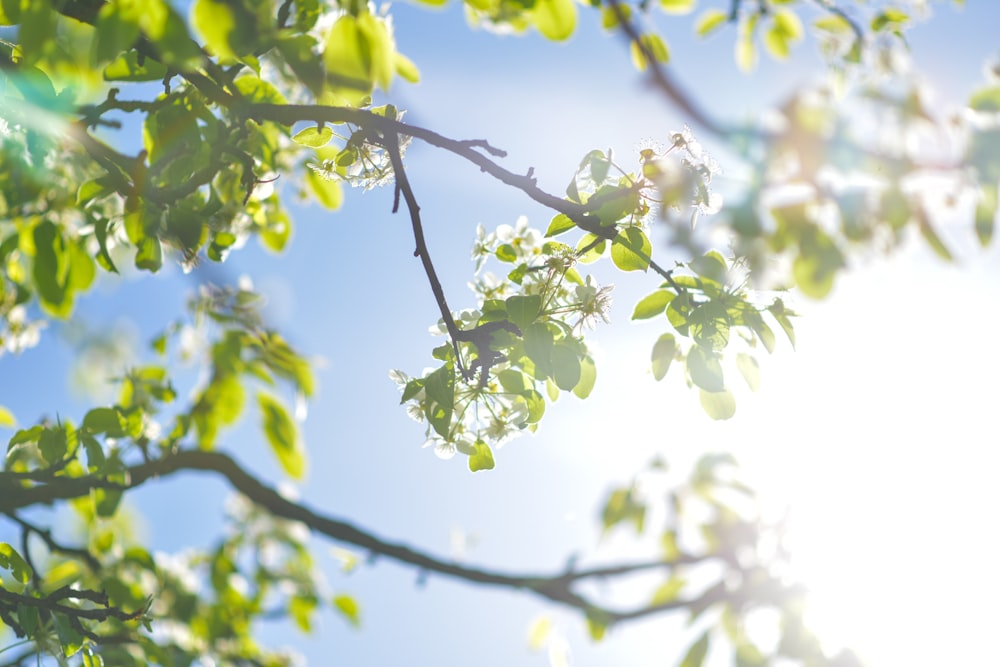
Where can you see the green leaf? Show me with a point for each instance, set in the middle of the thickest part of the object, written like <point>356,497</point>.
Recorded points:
<point>282,435</point>
<point>833,23</point>
<point>128,68</point>
<point>678,6</point>
<point>663,353</point>
<point>595,252</point>
<point>215,22</point>
<point>747,364</point>
<point>12,561</point>
<point>348,608</point>
<point>7,418</point>
<point>359,52</point>
<point>566,368</point>
<point>327,192</point>
<point>652,44</point>
<point>53,444</point>
<point>104,420</point>
<point>784,29</point>
<point>652,305</point>
<point>597,625</point>
<point>893,18</point>
<point>440,389</point>
<point>536,405</point>
<point>986,213</point>
<point>538,345</point>
<point>705,369</point>
<point>710,325</point>
<point>986,99</point>
<point>406,69</point>
<point>522,310</point>
<point>555,19</point>
<point>631,250</point>
<point>696,654</point>
<point>314,137</point>
<point>709,21</point>
<point>481,457</point>
<point>588,378</point>
<point>149,254</point>
<point>668,590</point>
<point>933,240</point>
<point>560,223</point>
<point>302,608</point>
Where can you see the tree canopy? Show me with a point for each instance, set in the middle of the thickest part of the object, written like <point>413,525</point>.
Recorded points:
<point>140,135</point>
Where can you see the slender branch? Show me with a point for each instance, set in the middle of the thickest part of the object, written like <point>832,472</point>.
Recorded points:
<point>46,536</point>
<point>554,587</point>
<point>665,83</point>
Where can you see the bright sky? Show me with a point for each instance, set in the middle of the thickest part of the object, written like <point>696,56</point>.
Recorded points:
<point>877,428</point>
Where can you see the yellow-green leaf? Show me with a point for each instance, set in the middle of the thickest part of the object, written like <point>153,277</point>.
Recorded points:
<point>663,353</point>
<point>348,608</point>
<point>555,19</point>
<point>481,457</point>
<point>314,137</point>
<point>282,435</point>
<point>747,364</point>
<point>7,418</point>
<point>710,21</point>
<point>326,191</point>
<point>677,6</point>
<point>215,22</point>
<point>718,405</point>
<point>631,250</point>
<point>649,45</point>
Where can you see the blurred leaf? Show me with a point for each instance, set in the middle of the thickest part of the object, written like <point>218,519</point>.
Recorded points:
<point>986,213</point>
<point>7,418</point>
<point>588,377</point>
<point>651,44</point>
<point>555,19</point>
<point>282,435</point>
<point>481,457</point>
<point>710,21</point>
<point>704,368</point>
<point>12,561</point>
<point>677,6</point>
<point>747,364</point>
<point>696,654</point>
<point>538,633</point>
<point>718,405</point>
<point>663,353</point>
<point>348,608</point>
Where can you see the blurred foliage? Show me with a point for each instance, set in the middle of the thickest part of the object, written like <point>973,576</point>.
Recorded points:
<point>232,93</point>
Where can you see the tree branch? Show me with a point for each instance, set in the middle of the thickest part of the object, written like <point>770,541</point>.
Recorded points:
<point>554,587</point>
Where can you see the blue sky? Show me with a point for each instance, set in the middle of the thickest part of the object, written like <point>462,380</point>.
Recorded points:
<point>883,410</point>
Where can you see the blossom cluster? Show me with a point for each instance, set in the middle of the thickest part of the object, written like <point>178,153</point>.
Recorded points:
<point>491,410</point>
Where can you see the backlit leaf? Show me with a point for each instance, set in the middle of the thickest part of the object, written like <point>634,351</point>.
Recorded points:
<point>631,250</point>
<point>710,21</point>
<point>556,19</point>
<point>282,435</point>
<point>663,353</point>
<point>652,305</point>
<point>481,457</point>
<point>705,369</point>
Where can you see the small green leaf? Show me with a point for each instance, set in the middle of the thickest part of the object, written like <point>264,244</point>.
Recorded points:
<point>149,254</point>
<point>668,590</point>
<point>696,654</point>
<point>705,369</point>
<point>677,6</point>
<point>326,191</point>
<point>481,457</point>
<point>215,22</point>
<point>314,137</point>
<point>12,561</point>
<point>440,389</point>
<point>709,21</point>
<point>566,368</point>
<point>663,353</point>
<point>933,240</point>
<point>986,99</point>
<point>53,444</point>
<point>282,435</point>
<point>104,420</point>
<point>406,69</point>
<point>522,310</point>
<point>560,223</point>
<point>747,364</point>
<point>986,213</point>
<point>555,19</point>
<point>631,250</point>
<point>651,44</point>
<point>348,608</point>
<point>588,377</point>
<point>652,305</point>
<point>7,418</point>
